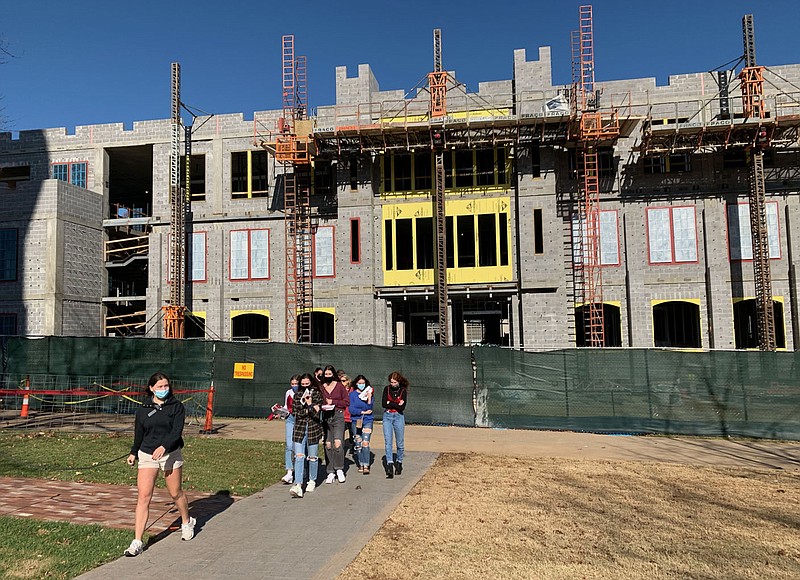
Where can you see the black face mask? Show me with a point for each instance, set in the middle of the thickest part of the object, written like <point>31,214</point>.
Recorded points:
<point>328,379</point>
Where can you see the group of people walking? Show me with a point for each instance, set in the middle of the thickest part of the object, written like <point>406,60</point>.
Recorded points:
<point>319,406</point>
<point>323,406</point>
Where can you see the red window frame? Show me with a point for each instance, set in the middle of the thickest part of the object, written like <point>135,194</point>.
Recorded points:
<point>728,237</point>
<point>250,277</point>
<point>69,165</point>
<point>671,208</point>
<point>357,221</point>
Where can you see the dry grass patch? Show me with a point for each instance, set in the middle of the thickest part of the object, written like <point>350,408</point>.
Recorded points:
<point>475,516</point>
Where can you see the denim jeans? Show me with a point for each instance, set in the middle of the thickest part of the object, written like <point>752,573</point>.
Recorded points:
<point>300,459</point>
<point>333,424</point>
<point>289,443</point>
<point>363,435</point>
<point>394,424</point>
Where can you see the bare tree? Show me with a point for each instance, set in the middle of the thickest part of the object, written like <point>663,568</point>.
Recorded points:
<point>5,56</point>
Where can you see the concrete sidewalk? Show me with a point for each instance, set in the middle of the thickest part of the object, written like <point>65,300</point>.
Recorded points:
<point>271,535</point>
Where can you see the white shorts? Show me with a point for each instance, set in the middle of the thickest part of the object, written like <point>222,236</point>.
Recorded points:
<point>167,462</point>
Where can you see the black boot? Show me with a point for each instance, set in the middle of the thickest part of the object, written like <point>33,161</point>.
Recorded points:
<point>389,471</point>
<point>398,468</point>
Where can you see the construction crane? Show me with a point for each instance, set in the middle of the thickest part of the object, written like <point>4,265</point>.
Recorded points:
<point>589,128</point>
<point>174,312</point>
<point>437,85</point>
<point>293,152</point>
<point>752,84</point>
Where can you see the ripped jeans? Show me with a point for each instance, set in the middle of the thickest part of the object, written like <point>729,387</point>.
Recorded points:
<point>300,460</point>
<point>361,440</point>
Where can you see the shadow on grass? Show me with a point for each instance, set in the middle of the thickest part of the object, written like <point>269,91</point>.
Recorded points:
<point>202,510</point>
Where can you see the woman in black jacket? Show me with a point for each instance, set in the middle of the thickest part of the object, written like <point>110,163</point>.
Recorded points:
<point>395,397</point>
<point>157,444</point>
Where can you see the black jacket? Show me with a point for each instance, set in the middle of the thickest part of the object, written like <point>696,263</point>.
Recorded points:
<point>158,425</point>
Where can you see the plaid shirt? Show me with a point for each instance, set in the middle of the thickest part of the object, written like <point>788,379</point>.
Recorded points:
<point>307,417</point>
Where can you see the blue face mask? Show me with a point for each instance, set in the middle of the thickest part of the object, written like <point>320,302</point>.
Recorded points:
<point>361,386</point>
<point>161,394</point>
<point>294,387</point>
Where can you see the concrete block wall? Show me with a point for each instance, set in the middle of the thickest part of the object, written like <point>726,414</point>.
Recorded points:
<point>53,216</point>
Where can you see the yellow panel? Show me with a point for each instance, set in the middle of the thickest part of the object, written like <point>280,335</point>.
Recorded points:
<point>198,314</point>
<point>742,299</point>
<point>616,303</point>
<point>235,313</point>
<point>499,112</point>
<point>331,311</point>
<point>453,208</point>
<point>689,300</point>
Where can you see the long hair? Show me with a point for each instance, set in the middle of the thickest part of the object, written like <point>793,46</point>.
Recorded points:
<point>333,371</point>
<point>358,378</point>
<point>310,377</point>
<point>399,378</point>
<point>295,378</point>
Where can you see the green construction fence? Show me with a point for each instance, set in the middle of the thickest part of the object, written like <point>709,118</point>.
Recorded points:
<point>719,393</point>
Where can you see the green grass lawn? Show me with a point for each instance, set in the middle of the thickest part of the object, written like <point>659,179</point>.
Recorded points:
<point>240,467</point>
<point>36,549</point>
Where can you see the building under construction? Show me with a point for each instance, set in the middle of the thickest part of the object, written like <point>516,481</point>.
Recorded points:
<point>525,214</point>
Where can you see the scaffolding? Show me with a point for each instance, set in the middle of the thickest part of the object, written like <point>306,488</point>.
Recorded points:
<point>174,312</point>
<point>293,152</point>
<point>592,127</point>
<point>752,123</point>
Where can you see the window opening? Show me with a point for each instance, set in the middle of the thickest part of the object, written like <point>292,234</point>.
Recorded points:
<point>402,172</point>
<point>251,325</point>
<point>612,326</point>
<point>425,243</point>
<point>503,239</point>
<point>423,171</point>
<point>487,240</point>
<point>8,324</point>
<point>676,324</point>
<point>466,241</point>
<point>536,161</point>
<point>745,324</point>
<point>404,244</point>
<point>538,235</point>
<point>197,176</point>
<point>388,244</point>
<point>11,175</point>
<point>8,255</point>
<point>355,240</point>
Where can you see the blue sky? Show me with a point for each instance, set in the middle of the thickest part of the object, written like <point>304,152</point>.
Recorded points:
<point>89,61</point>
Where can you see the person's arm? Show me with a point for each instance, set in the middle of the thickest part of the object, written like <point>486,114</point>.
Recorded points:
<point>138,435</point>
<point>316,403</point>
<point>385,399</point>
<point>404,399</point>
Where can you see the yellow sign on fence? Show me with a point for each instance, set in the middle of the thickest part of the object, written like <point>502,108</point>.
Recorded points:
<point>243,370</point>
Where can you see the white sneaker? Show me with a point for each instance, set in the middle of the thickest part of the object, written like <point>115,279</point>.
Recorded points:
<point>134,549</point>
<point>330,478</point>
<point>187,529</point>
<point>288,478</point>
<point>340,475</point>
<point>296,490</point>
<point>311,486</point>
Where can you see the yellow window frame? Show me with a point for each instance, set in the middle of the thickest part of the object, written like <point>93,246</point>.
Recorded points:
<point>455,275</point>
<point>497,186</point>
<point>249,194</point>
